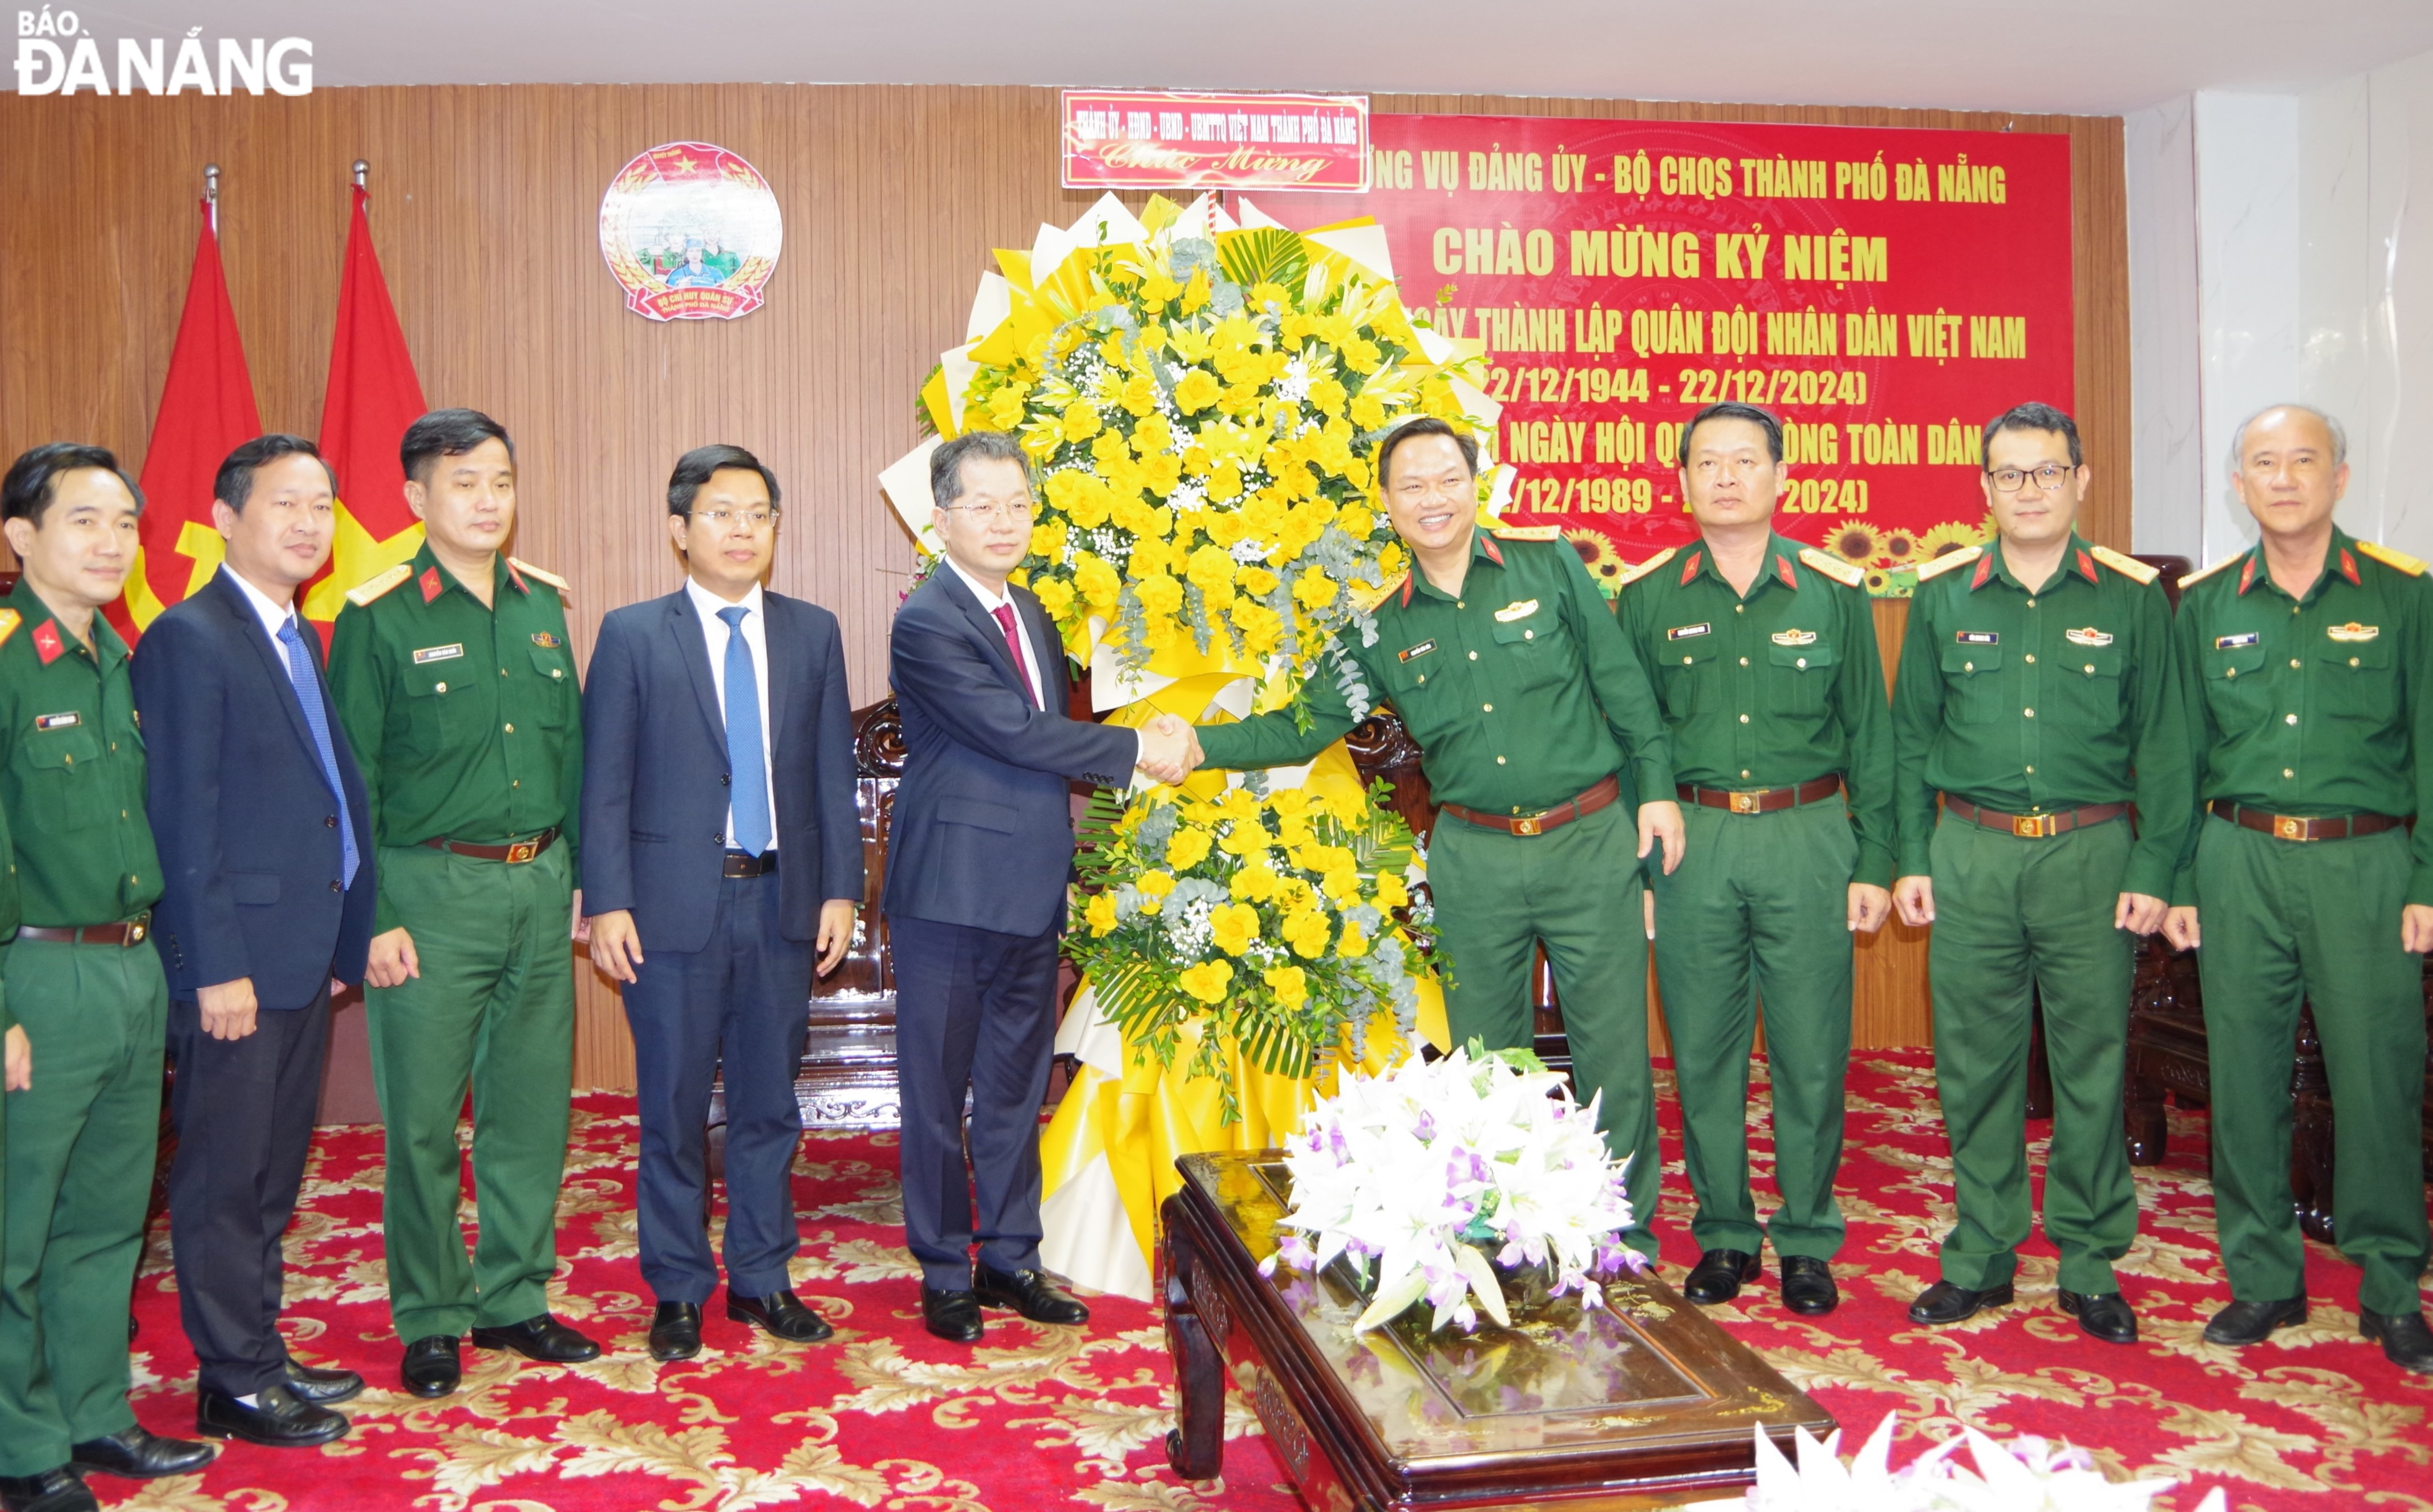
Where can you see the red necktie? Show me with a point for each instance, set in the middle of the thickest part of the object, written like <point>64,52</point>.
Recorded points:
<point>1004,613</point>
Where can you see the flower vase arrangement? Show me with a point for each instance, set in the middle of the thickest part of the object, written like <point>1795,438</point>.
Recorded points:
<point>1430,1175</point>
<point>2028,1474</point>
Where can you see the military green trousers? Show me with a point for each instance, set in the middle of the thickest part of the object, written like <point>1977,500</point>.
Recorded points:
<point>80,1148</point>
<point>2287,922</point>
<point>493,1010</point>
<point>1576,888</point>
<point>1758,914</point>
<point>2014,915</point>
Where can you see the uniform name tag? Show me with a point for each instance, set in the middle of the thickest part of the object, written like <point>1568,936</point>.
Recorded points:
<point>1979,638</point>
<point>56,721</point>
<point>1517,609</point>
<point>1686,632</point>
<point>2247,637</point>
<point>1420,650</point>
<point>2354,631</point>
<point>1794,637</point>
<point>547,640</point>
<point>2089,637</point>
<point>439,654</point>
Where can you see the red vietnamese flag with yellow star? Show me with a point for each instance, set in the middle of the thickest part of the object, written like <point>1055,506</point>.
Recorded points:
<point>206,412</point>
<point>373,395</point>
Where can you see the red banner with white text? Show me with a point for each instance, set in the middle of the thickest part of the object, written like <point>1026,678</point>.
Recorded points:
<point>1884,292</point>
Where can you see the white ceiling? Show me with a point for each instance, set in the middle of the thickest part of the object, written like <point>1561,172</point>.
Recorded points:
<point>2072,56</point>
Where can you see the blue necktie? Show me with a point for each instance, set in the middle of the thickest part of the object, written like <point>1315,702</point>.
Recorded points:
<point>308,693</point>
<point>750,803</point>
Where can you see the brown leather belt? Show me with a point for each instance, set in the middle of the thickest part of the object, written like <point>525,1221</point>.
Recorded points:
<point>1538,824</point>
<point>2290,826</point>
<point>2034,826</point>
<point>513,853</point>
<point>740,864</point>
<point>132,933</point>
<point>1761,800</point>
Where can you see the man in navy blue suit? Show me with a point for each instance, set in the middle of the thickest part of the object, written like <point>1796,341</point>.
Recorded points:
<point>718,741</point>
<point>266,895</point>
<point>978,855</point>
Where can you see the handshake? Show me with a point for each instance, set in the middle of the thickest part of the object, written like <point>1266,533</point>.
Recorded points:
<point>1169,749</point>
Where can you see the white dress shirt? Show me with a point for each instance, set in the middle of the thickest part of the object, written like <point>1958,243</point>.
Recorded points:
<point>990,599</point>
<point>756,639</point>
<point>273,616</point>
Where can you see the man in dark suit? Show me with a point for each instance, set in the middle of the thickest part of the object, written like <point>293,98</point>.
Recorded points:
<point>266,895</point>
<point>718,741</point>
<point>978,855</point>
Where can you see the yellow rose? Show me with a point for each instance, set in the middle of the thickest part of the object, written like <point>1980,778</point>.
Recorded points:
<point>1153,434</point>
<point>1354,943</point>
<point>1209,981</point>
<point>1153,887</point>
<point>1159,472</point>
<point>1289,983</point>
<point>1233,927</point>
<point>1391,894</point>
<point>1256,581</point>
<point>1140,396</point>
<point>1097,582</point>
<point>1327,395</point>
<point>1198,390</point>
<point>1225,484</point>
<point>1255,882</point>
<point>1212,573</point>
<point>1188,847</point>
<point>1080,422</point>
<point>1287,801</point>
<point>1159,595</point>
<point>1005,405</point>
<point>1361,355</point>
<point>1306,930</point>
<point>1101,914</point>
<point>1055,596</point>
<point>1148,556</point>
<point>1314,590</point>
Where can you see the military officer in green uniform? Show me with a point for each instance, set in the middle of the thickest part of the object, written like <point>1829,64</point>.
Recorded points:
<point>454,679</point>
<point>85,985</point>
<point>2040,696</point>
<point>1766,666</point>
<point>2310,659</point>
<point>1540,738</point>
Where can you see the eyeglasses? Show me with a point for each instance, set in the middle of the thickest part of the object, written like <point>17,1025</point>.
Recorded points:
<point>998,511</point>
<point>749,519</point>
<point>2048,477</point>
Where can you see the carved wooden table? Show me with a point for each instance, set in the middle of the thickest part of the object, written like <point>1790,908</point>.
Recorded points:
<point>1581,1410</point>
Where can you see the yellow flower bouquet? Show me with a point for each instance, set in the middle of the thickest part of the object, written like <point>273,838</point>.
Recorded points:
<point>1272,919</point>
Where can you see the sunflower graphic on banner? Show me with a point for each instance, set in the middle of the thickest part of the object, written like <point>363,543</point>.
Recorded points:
<point>1201,399</point>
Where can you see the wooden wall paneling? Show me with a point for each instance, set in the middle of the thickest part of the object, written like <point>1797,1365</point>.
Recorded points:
<point>485,210</point>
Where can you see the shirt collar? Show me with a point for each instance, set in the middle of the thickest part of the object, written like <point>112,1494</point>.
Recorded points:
<point>41,629</point>
<point>991,600</point>
<point>273,616</point>
<point>432,579</point>
<point>2078,560</point>
<point>707,604</point>
<point>1482,548</point>
<point>1780,555</point>
<point>2339,558</point>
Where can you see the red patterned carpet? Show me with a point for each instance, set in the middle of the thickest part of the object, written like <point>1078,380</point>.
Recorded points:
<point>887,1417</point>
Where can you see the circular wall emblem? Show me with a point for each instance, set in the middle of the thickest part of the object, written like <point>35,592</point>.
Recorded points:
<point>691,230</point>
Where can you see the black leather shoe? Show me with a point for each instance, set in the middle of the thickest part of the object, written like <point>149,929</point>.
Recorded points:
<point>952,1316</point>
<point>2253,1322</point>
<point>322,1388</point>
<point>431,1368</point>
<point>780,1314</point>
<point>2104,1315</point>
<point>1944,1302</point>
<point>2406,1341</point>
<point>1029,1293</point>
<point>1719,1275</point>
<point>539,1337</point>
<point>675,1332</point>
<point>138,1453</point>
<point>1807,1286</point>
<point>56,1490</point>
<point>277,1419</point>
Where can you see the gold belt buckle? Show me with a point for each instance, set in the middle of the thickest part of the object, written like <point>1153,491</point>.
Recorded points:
<point>137,929</point>
<point>2286,827</point>
<point>522,850</point>
<point>2032,827</point>
<point>1744,802</point>
<point>1529,825</point>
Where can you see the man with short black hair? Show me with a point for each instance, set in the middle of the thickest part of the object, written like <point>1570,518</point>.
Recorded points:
<point>1543,743</point>
<point>1765,661</point>
<point>266,900</point>
<point>2039,699</point>
<point>2309,655</point>
<point>457,690</point>
<point>718,742</point>
<point>86,985</point>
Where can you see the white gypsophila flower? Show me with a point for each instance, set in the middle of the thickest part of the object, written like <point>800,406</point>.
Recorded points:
<point>1188,498</point>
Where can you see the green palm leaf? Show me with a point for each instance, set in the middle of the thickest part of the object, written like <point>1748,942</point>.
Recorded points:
<point>1270,254</point>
